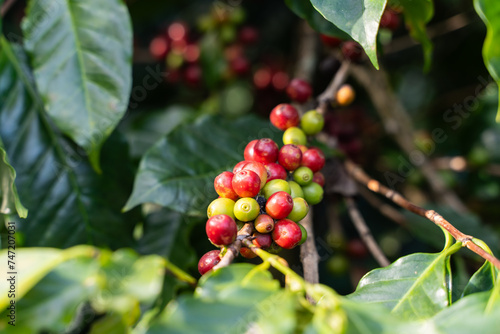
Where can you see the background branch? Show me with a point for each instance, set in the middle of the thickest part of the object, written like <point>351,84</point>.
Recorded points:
<point>6,6</point>
<point>308,252</point>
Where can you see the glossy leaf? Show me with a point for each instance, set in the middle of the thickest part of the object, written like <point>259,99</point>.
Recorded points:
<point>226,302</point>
<point>358,18</point>
<point>489,10</point>
<point>81,55</point>
<point>414,287</point>
<point>179,170</point>
<point>9,200</point>
<point>305,10</point>
<point>417,14</point>
<point>73,204</point>
<point>482,280</point>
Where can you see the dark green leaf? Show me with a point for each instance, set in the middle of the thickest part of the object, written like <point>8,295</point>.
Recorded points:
<point>482,280</point>
<point>70,203</point>
<point>359,18</point>
<point>9,200</point>
<point>81,53</point>
<point>228,301</point>
<point>417,14</point>
<point>414,287</point>
<point>305,10</point>
<point>179,170</point>
<point>489,11</point>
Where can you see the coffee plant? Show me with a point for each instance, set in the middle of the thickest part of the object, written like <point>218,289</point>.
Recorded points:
<point>297,166</point>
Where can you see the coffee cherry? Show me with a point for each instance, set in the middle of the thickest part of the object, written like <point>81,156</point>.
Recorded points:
<point>275,186</point>
<point>262,240</point>
<point>259,169</point>
<point>221,230</point>
<point>303,176</point>
<point>221,206</point>
<point>286,233</point>
<point>246,183</point>
<point>296,189</point>
<point>304,234</point>
<point>249,150</point>
<point>390,20</point>
<point>248,35</point>
<point>239,166</point>
<point>240,65</point>
<point>314,159</point>
<point>356,248</point>
<point>338,265</point>
<point>193,75</point>
<point>312,122</point>
<point>265,150</point>
<point>279,205</point>
<point>290,157</point>
<point>299,210</point>
<point>330,41</point>
<point>284,116</point>
<point>159,47</point>
<point>247,253</point>
<point>303,148</point>
<point>352,51</point>
<point>264,223</point>
<point>274,249</point>
<point>275,171</point>
<point>313,193</point>
<point>294,136</point>
<point>345,95</point>
<point>223,186</point>
<point>319,178</point>
<point>208,261</point>
<point>246,209</point>
<point>299,90</point>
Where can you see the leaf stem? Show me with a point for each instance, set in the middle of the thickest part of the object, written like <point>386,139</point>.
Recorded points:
<point>179,273</point>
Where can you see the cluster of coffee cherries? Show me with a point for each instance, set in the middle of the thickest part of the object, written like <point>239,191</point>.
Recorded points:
<point>272,189</point>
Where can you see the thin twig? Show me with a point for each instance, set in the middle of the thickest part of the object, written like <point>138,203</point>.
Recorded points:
<point>6,6</point>
<point>308,252</point>
<point>306,52</point>
<point>385,209</point>
<point>397,122</point>
<point>460,164</point>
<point>359,175</point>
<point>234,248</point>
<point>365,233</point>
<point>329,94</point>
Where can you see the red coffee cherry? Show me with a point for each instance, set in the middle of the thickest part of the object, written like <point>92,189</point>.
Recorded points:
<point>299,90</point>
<point>221,230</point>
<point>284,116</point>
<point>279,205</point>
<point>286,233</point>
<point>246,183</point>
<point>208,261</point>
<point>314,159</point>
<point>265,150</point>
<point>275,171</point>
<point>223,186</point>
<point>290,157</point>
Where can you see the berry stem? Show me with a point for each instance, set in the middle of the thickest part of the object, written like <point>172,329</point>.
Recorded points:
<point>467,241</point>
<point>179,273</point>
<point>337,81</point>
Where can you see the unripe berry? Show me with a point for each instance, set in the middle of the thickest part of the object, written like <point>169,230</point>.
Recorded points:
<point>208,261</point>
<point>286,233</point>
<point>299,210</point>
<point>312,122</point>
<point>246,209</point>
<point>314,159</point>
<point>352,51</point>
<point>221,230</point>
<point>223,186</point>
<point>279,205</point>
<point>262,240</point>
<point>246,183</point>
<point>274,249</point>
<point>304,234</point>
<point>265,150</point>
<point>330,41</point>
<point>249,150</point>
<point>319,178</point>
<point>259,169</point>
<point>296,189</point>
<point>275,171</point>
<point>345,95</point>
<point>247,253</point>
<point>294,136</point>
<point>290,157</point>
<point>221,206</point>
<point>284,116</point>
<point>313,193</point>
<point>264,223</point>
<point>274,186</point>
<point>303,176</point>
<point>299,90</point>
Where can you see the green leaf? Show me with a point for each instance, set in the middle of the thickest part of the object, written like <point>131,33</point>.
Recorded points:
<point>73,204</point>
<point>226,302</point>
<point>9,200</point>
<point>81,53</point>
<point>414,287</point>
<point>62,291</point>
<point>417,14</point>
<point>179,170</point>
<point>305,10</point>
<point>482,280</point>
<point>489,10</point>
<point>359,18</point>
